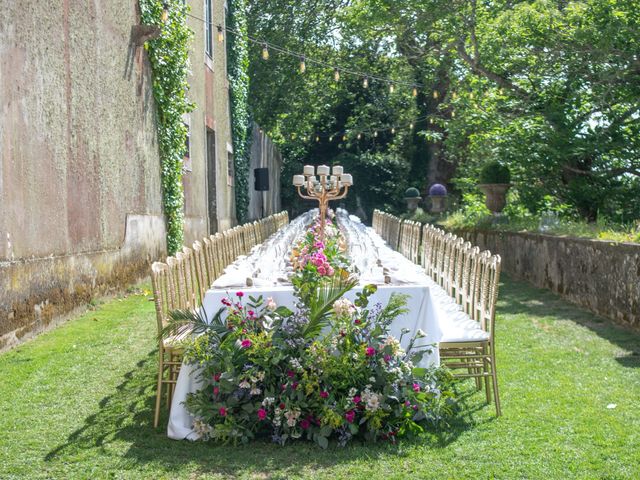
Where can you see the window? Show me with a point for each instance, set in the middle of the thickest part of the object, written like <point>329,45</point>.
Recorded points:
<point>208,28</point>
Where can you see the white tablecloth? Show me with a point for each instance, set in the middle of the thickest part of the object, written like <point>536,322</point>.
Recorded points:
<point>429,307</point>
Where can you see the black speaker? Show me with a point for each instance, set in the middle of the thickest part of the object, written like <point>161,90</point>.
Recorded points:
<point>262,179</point>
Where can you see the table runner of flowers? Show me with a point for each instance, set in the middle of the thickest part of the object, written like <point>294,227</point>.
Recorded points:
<point>328,370</point>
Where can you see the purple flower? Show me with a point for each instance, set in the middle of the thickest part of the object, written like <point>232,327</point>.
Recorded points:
<point>324,394</point>
<point>246,343</point>
<point>370,351</point>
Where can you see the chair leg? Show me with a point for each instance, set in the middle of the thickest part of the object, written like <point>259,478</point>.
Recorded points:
<point>156,417</point>
<point>487,369</point>
<point>494,377</point>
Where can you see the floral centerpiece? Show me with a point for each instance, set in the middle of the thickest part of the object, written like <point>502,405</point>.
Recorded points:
<point>331,369</point>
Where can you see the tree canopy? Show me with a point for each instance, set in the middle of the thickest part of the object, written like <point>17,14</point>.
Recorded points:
<point>549,88</point>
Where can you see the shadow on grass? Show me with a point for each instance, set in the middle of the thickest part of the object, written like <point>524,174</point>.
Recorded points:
<point>517,297</point>
<point>122,429</point>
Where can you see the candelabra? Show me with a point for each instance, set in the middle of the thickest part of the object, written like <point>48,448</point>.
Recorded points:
<point>323,188</point>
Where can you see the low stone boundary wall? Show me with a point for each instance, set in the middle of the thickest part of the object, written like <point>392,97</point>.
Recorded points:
<point>599,275</point>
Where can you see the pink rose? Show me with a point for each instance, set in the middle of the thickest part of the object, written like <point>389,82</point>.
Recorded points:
<point>322,271</point>
<point>416,387</point>
<point>304,424</point>
<point>216,377</point>
<point>291,373</point>
<point>222,411</point>
<point>216,390</point>
<point>319,245</point>
<point>294,385</point>
<point>387,357</point>
<point>407,403</point>
<point>240,294</point>
<point>370,351</point>
<point>226,301</point>
<point>262,414</point>
<point>357,399</point>
<point>246,343</point>
<point>251,313</point>
<point>330,270</point>
<point>350,416</point>
<point>324,394</point>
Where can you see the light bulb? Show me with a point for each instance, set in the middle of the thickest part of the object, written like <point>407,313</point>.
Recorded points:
<point>336,74</point>
<point>391,88</point>
<point>220,34</point>
<point>165,12</point>
<point>344,138</point>
<point>317,138</point>
<point>375,134</point>
<point>265,52</point>
<point>411,126</point>
<point>435,94</point>
<point>414,92</point>
<point>303,65</point>
<point>431,121</point>
<point>365,82</point>
<point>359,136</point>
<point>393,131</point>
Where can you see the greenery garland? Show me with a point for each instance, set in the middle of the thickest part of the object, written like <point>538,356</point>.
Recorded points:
<point>238,69</point>
<point>169,58</point>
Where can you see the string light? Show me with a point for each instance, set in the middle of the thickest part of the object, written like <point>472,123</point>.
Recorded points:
<point>265,52</point>
<point>220,34</point>
<point>454,95</point>
<point>453,114</point>
<point>344,138</point>
<point>336,74</point>
<point>435,94</point>
<point>414,92</point>
<point>375,134</point>
<point>165,12</point>
<point>365,82</point>
<point>431,121</point>
<point>391,88</point>
<point>331,139</point>
<point>393,131</point>
<point>411,126</point>
<point>303,65</point>
<point>317,138</point>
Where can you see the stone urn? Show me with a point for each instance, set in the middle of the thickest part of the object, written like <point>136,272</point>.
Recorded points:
<point>495,195</point>
<point>413,198</point>
<point>438,197</point>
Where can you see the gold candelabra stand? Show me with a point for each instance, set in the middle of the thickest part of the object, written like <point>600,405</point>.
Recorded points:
<point>318,184</point>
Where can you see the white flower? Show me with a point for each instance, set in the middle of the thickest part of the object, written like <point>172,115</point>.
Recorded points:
<point>295,364</point>
<point>271,304</point>
<point>343,307</point>
<point>372,379</point>
<point>260,376</point>
<point>292,417</point>
<point>255,391</point>
<point>202,429</point>
<point>420,333</point>
<point>244,384</point>
<point>405,330</point>
<point>268,401</point>
<point>352,392</point>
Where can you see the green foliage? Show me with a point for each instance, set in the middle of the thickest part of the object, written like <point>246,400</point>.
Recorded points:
<point>495,172</point>
<point>169,58</point>
<point>238,65</point>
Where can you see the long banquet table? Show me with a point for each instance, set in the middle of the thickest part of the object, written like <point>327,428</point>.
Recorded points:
<point>267,270</point>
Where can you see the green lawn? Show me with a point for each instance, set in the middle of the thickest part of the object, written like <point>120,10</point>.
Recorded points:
<point>77,402</point>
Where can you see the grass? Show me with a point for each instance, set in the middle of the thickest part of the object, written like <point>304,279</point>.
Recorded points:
<point>77,402</point>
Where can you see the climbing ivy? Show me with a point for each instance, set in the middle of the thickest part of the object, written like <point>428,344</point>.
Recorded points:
<point>238,67</point>
<point>169,58</point>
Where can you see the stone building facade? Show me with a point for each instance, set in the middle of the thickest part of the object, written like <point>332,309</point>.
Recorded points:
<point>80,191</point>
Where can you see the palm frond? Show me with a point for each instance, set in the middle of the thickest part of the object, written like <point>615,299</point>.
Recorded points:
<point>321,302</point>
<point>195,319</point>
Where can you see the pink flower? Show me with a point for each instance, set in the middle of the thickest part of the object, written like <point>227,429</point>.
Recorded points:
<point>216,377</point>
<point>304,424</point>
<point>246,343</point>
<point>387,357</point>
<point>239,294</point>
<point>319,245</point>
<point>415,407</point>
<point>330,270</point>
<point>407,403</point>
<point>262,414</point>
<point>324,394</point>
<point>251,313</point>
<point>370,351</point>
<point>294,385</point>
<point>216,390</point>
<point>357,399</point>
<point>350,416</point>
<point>291,373</point>
<point>322,271</point>
<point>416,387</point>
<point>226,301</point>
<point>222,411</point>
<point>357,321</point>
<point>282,406</point>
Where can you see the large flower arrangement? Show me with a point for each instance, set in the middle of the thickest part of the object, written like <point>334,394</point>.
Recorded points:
<point>331,369</point>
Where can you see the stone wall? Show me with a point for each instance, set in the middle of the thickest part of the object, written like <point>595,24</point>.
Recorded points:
<point>601,276</point>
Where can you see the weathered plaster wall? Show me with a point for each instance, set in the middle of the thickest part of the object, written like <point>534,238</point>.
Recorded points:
<point>264,154</point>
<point>601,276</point>
<point>80,194</point>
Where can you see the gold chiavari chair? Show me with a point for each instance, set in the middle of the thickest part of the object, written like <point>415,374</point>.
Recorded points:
<point>201,271</point>
<point>170,351</point>
<point>190,277</point>
<point>473,349</point>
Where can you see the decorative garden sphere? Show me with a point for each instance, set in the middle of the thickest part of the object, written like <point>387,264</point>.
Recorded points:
<point>412,196</point>
<point>438,196</point>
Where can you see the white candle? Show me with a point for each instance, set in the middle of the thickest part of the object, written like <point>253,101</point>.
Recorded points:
<point>337,170</point>
<point>313,179</point>
<point>333,178</point>
<point>308,170</point>
<point>346,179</point>
<point>323,170</point>
<point>298,180</point>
